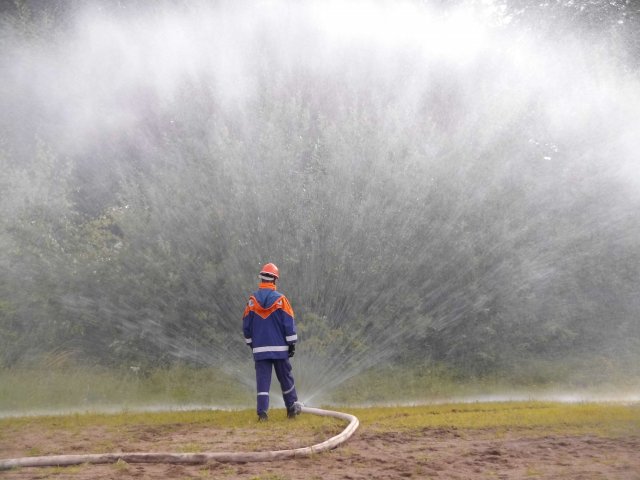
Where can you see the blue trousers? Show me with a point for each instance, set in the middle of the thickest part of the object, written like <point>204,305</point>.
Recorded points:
<point>263,382</point>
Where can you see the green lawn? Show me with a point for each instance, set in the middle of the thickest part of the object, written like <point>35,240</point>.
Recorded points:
<point>551,417</point>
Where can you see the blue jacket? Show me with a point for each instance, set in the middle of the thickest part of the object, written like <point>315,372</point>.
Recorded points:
<point>268,324</point>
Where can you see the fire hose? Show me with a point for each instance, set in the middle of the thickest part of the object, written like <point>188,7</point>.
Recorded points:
<point>194,458</point>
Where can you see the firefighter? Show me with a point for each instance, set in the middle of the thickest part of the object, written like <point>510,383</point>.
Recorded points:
<point>270,331</point>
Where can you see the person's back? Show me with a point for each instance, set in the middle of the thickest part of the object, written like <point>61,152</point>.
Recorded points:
<point>269,329</point>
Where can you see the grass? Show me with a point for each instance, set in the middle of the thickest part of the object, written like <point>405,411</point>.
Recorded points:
<point>53,472</point>
<point>165,422</point>
<point>49,388</point>
<point>438,382</point>
<point>471,421</point>
<point>73,388</point>
<point>546,417</point>
<point>550,417</point>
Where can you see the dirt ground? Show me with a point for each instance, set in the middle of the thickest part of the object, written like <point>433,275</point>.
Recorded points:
<point>369,454</point>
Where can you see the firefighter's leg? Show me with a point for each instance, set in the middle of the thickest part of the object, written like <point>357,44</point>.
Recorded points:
<point>263,383</point>
<point>285,377</point>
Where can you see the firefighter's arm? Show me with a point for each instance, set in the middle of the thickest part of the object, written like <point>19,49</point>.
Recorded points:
<point>289,323</point>
<point>247,321</point>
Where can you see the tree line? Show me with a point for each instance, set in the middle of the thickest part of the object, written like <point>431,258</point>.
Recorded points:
<point>419,210</point>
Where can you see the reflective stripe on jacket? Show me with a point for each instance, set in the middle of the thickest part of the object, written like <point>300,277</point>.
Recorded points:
<point>268,323</point>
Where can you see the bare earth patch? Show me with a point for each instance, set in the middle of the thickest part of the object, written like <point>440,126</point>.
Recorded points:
<point>369,454</point>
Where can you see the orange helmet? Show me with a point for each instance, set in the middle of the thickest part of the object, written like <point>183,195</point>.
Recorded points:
<point>269,272</point>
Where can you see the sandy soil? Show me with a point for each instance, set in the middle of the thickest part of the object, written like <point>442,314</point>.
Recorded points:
<point>369,454</point>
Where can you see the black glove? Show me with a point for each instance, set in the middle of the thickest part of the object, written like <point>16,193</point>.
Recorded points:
<point>292,350</point>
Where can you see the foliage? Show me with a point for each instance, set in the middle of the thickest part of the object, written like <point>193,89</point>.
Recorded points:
<point>414,219</point>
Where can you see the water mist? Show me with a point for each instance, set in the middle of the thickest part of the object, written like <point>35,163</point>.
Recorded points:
<point>438,185</point>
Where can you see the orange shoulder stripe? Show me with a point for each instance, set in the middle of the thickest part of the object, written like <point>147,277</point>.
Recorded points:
<point>286,306</point>
<point>262,312</point>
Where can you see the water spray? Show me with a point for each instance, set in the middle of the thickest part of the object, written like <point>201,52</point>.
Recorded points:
<point>462,186</point>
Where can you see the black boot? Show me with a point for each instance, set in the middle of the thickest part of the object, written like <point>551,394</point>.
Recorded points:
<point>294,410</point>
<point>263,417</point>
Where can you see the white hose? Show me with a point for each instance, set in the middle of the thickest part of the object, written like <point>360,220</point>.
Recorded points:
<point>194,458</point>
